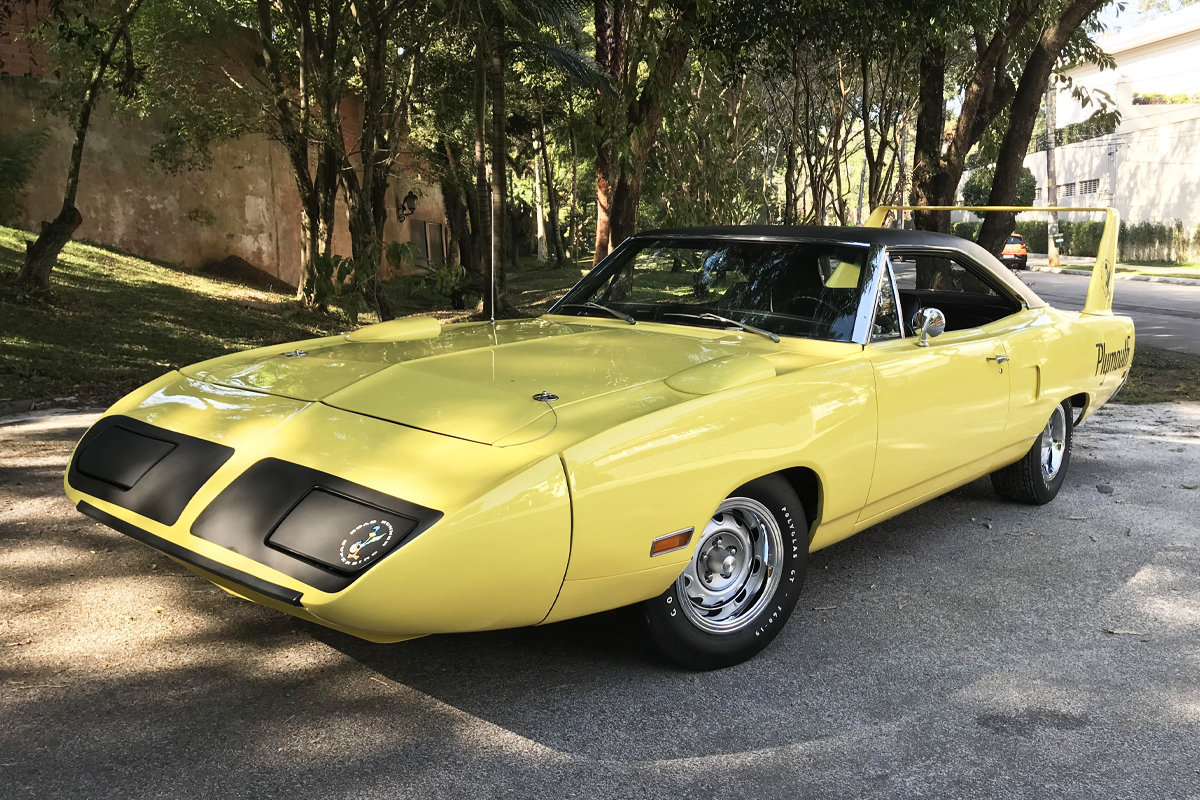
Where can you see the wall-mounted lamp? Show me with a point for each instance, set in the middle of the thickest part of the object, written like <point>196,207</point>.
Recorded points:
<point>409,207</point>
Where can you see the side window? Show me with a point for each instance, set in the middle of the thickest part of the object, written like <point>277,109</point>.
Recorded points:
<point>887,314</point>
<point>936,273</point>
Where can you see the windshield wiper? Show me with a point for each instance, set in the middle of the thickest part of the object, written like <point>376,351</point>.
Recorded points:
<point>728,321</point>
<point>598,307</point>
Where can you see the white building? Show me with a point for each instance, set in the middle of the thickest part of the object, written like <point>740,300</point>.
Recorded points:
<point>1149,169</point>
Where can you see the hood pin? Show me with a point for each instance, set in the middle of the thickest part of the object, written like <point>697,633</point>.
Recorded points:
<point>545,397</point>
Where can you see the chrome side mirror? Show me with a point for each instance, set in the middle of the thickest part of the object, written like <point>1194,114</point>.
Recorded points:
<point>928,322</point>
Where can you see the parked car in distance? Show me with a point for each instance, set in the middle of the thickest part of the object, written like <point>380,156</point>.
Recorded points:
<point>1015,255</point>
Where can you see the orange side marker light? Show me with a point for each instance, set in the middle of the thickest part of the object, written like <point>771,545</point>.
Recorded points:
<point>672,541</point>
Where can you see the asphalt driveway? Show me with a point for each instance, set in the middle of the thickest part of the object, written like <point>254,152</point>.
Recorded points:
<point>969,648</point>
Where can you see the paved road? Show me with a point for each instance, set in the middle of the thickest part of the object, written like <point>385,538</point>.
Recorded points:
<point>1166,316</point>
<point>958,651</point>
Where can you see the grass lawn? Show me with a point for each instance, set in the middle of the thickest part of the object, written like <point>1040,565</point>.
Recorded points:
<point>1158,377</point>
<point>116,321</point>
<point>1161,269</point>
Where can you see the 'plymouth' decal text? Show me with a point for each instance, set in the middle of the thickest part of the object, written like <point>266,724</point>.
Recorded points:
<point>1109,361</point>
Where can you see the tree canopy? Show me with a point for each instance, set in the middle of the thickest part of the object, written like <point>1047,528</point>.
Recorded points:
<point>554,128</point>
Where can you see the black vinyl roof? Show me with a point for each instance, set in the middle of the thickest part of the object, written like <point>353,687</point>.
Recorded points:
<point>888,237</point>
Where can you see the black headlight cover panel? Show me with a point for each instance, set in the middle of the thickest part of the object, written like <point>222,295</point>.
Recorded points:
<point>143,468</point>
<point>253,516</point>
<point>340,533</point>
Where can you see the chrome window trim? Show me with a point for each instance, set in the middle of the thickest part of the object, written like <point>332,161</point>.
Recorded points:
<point>891,278</point>
<point>896,300</point>
<point>864,320</point>
<point>980,271</point>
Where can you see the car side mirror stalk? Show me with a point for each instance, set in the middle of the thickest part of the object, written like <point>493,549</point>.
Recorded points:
<point>928,322</point>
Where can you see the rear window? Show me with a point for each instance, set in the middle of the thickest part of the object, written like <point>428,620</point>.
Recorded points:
<point>1015,239</point>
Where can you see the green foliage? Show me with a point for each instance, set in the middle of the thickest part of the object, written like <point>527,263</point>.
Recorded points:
<point>1084,238</point>
<point>1035,234</point>
<point>345,283</point>
<point>19,154</point>
<point>966,230</point>
<point>978,187</point>
<point>1102,123</point>
<point>445,280</point>
<point>1158,241</point>
<point>1160,99</point>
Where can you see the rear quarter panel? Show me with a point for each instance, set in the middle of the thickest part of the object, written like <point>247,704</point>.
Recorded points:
<point>1058,354</point>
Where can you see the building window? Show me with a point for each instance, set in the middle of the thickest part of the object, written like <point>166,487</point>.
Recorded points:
<point>1037,194</point>
<point>1090,186</point>
<point>1068,190</point>
<point>416,235</point>
<point>433,235</point>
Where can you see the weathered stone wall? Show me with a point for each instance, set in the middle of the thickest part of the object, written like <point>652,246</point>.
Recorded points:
<point>245,205</point>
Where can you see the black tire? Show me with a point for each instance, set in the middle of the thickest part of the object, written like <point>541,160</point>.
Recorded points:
<point>673,629</point>
<point>1026,481</point>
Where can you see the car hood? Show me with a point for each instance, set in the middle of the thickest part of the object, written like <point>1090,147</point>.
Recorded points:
<point>477,381</point>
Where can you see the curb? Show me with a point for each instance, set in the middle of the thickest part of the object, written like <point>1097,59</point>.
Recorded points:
<point>10,407</point>
<point>1120,276</point>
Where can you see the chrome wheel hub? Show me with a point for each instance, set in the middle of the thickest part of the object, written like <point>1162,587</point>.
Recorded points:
<point>1054,444</point>
<point>735,569</point>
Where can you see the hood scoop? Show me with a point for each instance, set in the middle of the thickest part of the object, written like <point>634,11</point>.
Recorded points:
<point>721,374</point>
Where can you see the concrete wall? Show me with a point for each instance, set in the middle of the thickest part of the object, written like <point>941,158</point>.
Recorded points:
<point>245,205</point>
<point>18,55</point>
<point>1148,175</point>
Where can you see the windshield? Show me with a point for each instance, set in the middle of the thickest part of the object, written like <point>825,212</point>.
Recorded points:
<point>1014,239</point>
<point>808,289</point>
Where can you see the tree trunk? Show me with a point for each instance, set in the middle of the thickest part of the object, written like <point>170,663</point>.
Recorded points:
<point>539,208</point>
<point>502,246</point>
<point>604,198</point>
<point>1052,259</point>
<point>791,178</point>
<point>574,217</point>
<point>483,199</point>
<point>42,254</point>
<point>626,197</point>
<point>644,118</point>
<point>556,241</point>
<point>458,212</point>
<point>941,157</point>
<point>998,225</point>
<point>929,177</point>
<point>611,47</point>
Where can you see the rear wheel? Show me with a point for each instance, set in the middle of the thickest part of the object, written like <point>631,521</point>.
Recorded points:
<point>1038,476</point>
<point>741,584</point>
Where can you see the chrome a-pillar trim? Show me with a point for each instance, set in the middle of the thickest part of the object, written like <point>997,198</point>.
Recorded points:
<point>877,270</point>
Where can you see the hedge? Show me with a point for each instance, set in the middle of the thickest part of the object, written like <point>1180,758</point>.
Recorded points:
<point>1034,233</point>
<point>1137,241</point>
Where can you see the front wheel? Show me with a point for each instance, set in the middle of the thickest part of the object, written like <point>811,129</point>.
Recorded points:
<point>741,584</point>
<point>1040,473</point>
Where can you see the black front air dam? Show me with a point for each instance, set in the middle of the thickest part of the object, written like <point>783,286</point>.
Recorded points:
<point>148,470</point>
<point>265,588</point>
<point>294,519</point>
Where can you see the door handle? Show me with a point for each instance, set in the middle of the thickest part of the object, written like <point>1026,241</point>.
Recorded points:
<point>998,359</point>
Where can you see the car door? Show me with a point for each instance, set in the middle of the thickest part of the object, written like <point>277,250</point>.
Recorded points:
<point>942,407</point>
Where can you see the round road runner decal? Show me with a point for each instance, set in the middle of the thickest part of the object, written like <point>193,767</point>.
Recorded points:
<point>365,542</point>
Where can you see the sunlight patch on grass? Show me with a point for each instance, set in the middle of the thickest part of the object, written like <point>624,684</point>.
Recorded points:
<point>116,321</point>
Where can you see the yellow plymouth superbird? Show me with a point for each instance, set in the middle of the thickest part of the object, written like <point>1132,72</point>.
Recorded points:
<point>700,412</point>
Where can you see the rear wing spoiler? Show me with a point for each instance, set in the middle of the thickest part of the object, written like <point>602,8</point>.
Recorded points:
<point>1100,291</point>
